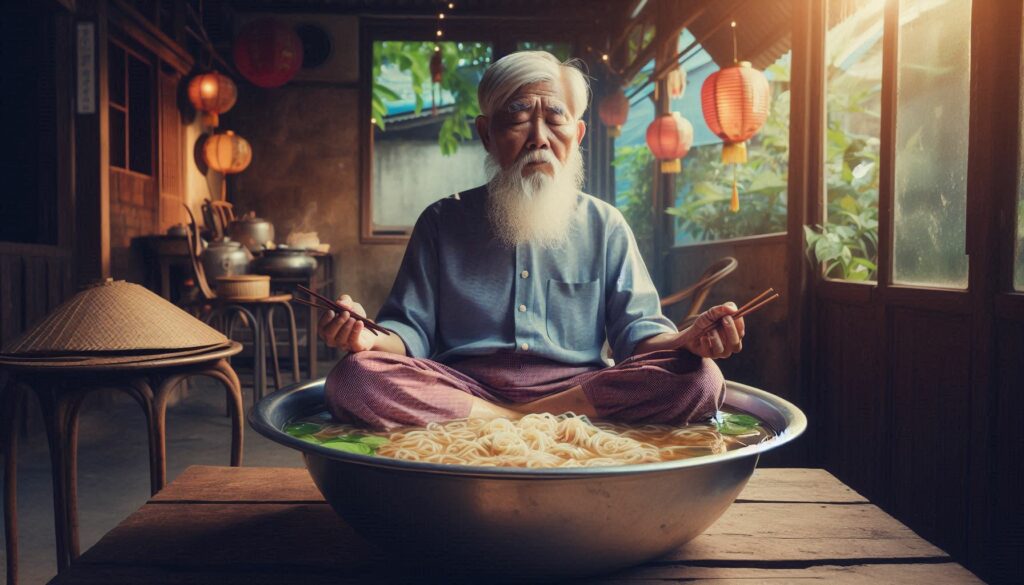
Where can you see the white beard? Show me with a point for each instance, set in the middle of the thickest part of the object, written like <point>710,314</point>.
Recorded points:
<point>537,208</point>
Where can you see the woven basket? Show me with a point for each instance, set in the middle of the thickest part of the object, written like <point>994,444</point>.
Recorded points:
<point>115,316</point>
<point>243,287</point>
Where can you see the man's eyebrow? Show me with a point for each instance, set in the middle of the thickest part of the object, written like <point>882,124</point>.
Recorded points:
<point>517,106</point>
<point>555,108</point>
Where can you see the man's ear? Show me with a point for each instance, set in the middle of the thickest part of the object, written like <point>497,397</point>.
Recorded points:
<point>581,131</point>
<point>483,130</point>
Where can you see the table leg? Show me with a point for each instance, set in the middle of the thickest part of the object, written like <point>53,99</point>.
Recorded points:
<point>293,341</point>
<point>223,372</point>
<point>311,338</point>
<point>142,392</point>
<point>11,408</point>
<point>268,315</point>
<point>54,419</point>
<point>74,403</point>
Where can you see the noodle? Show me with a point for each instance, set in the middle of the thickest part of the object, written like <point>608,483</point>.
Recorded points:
<point>545,440</point>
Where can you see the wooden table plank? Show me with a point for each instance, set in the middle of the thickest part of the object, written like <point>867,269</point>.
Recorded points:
<point>889,574</point>
<point>205,483</point>
<point>270,525</point>
<point>797,485</point>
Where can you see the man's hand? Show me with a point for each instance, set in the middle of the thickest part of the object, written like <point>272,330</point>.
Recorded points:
<point>722,341</point>
<point>344,331</point>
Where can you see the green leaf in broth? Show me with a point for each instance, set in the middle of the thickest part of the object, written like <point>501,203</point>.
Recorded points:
<point>373,440</point>
<point>742,419</point>
<point>302,428</point>
<point>737,424</point>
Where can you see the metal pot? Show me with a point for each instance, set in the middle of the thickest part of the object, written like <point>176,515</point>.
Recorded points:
<point>285,262</point>
<point>530,523</point>
<point>224,258</point>
<point>252,232</point>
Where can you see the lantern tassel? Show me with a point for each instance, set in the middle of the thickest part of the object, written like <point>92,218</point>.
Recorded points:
<point>734,205</point>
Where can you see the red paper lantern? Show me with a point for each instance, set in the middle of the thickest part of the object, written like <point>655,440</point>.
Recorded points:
<point>268,52</point>
<point>436,73</point>
<point>212,94</point>
<point>613,111</point>
<point>670,137</point>
<point>736,101</point>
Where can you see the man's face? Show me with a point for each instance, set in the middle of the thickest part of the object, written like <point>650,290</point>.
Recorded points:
<point>537,117</point>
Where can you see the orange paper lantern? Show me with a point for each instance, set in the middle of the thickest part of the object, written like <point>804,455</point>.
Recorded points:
<point>613,111</point>
<point>736,101</point>
<point>670,137</point>
<point>227,153</point>
<point>212,94</point>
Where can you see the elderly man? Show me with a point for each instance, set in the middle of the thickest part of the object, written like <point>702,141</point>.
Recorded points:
<point>508,291</point>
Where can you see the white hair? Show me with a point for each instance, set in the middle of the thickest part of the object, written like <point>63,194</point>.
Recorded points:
<point>504,78</point>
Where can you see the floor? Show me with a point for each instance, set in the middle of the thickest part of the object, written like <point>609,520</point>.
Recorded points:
<point>114,468</point>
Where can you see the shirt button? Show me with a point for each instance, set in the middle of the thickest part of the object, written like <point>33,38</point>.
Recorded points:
<point>525,274</point>
<point>522,308</point>
<point>525,346</point>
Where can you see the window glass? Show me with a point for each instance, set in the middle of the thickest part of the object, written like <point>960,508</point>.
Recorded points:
<point>634,165</point>
<point>704,187</point>
<point>847,246</point>
<point>425,144</point>
<point>563,51</point>
<point>932,124</point>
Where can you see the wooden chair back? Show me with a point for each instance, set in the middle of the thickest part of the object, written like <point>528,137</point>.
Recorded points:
<point>700,290</point>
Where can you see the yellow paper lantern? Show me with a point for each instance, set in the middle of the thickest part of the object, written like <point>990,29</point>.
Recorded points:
<point>227,153</point>
<point>213,94</point>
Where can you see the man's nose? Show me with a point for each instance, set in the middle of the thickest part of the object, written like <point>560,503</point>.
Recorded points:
<point>538,138</point>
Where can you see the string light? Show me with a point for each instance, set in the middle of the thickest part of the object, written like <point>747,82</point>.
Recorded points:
<point>441,15</point>
<point>604,57</point>
<point>439,33</point>
<point>451,6</point>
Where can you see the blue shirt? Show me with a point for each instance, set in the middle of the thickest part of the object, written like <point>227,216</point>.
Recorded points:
<point>461,292</point>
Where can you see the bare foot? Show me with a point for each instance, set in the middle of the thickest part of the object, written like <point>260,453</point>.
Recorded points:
<point>571,400</point>
<point>488,410</point>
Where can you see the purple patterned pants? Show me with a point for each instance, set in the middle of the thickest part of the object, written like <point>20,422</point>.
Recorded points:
<point>383,390</point>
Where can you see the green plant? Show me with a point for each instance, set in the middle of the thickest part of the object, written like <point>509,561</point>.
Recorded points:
<point>635,165</point>
<point>462,64</point>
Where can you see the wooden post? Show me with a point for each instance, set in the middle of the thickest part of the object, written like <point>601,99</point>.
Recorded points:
<point>92,160</point>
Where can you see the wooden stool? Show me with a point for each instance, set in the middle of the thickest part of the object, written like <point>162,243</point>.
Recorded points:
<point>61,391</point>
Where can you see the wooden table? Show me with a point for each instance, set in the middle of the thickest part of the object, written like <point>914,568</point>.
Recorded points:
<point>61,391</point>
<point>266,525</point>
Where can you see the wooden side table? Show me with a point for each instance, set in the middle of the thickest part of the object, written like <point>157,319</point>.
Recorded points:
<point>61,391</point>
<point>264,525</point>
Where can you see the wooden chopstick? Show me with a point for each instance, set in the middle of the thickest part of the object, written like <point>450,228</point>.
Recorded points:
<point>748,308</point>
<point>328,304</point>
<point>756,299</point>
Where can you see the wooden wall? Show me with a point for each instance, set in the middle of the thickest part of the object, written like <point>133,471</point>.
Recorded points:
<point>33,281</point>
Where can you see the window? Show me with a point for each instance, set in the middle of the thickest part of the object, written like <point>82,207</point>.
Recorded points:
<point>932,123</point>
<point>130,82</point>
<point>704,188</point>
<point>847,246</point>
<point>424,141</point>
<point>634,165</point>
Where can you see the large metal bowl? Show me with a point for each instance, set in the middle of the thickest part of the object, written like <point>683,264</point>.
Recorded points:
<point>517,524</point>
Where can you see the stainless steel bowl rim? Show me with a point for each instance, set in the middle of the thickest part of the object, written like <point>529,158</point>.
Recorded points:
<point>258,417</point>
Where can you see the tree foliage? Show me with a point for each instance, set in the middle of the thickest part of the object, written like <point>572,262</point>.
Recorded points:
<point>463,65</point>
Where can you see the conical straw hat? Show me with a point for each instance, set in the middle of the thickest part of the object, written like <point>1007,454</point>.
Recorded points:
<point>115,316</point>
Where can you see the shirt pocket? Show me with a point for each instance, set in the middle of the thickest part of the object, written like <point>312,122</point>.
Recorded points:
<point>573,319</point>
